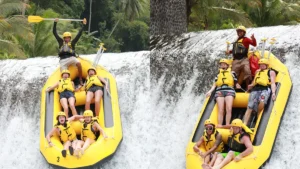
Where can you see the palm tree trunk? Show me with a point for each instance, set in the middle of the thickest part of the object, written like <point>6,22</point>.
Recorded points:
<point>168,17</point>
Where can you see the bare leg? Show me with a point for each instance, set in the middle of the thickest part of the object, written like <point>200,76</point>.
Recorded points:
<point>98,96</point>
<point>64,104</point>
<point>72,105</point>
<point>74,143</point>
<point>229,102</point>
<point>213,160</point>
<point>66,145</point>
<point>79,71</point>
<point>227,159</point>
<point>261,106</point>
<point>87,143</point>
<point>205,166</point>
<point>220,103</point>
<point>77,147</point>
<point>89,97</point>
<point>247,81</point>
<point>247,116</point>
<point>207,159</point>
<point>219,159</point>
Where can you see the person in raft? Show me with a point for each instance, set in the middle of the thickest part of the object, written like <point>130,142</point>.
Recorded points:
<point>212,141</point>
<point>65,88</point>
<point>67,49</point>
<point>225,93</point>
<point>240,54</point>
<point>65,132</point>
<point>89,130</point>
<point>94,88</point>
<point>261,88</point>
<point>239,143</point>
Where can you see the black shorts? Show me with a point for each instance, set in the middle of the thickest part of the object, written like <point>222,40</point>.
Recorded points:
<point>66,94</point>
<point>94,88</point>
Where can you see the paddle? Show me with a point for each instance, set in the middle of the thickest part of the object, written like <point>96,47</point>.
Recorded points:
<point>36,19</point>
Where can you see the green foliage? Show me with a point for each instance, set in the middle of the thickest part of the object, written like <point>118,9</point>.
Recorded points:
<point>43,42</point>
<point>12,28</point>
<point>130,20</point>
<point>214,14</point>
<point>210,14</point>
<point>86,45</point>
<point>66,8</point>
<point>134,8</point>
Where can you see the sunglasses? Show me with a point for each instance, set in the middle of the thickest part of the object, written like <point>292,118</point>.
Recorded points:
<point>209,128</point>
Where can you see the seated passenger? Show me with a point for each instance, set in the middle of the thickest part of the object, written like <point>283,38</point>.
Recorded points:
<point>239,143</point>
<point>65,132</point>
<point>94,88</point>
<point>240,54</point>
<point>212,141</point>
<point>66,92</point>
<point>88,133</point>
<point>260,89</point>
<point>225,93</point>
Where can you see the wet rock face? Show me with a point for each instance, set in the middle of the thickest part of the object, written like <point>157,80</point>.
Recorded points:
<point>178,68</point>
<point>17,92</point>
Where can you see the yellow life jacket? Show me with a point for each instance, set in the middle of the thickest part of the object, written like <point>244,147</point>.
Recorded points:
<point>87,131</point>
<point>262,78</point>
<point>65,84</point>
<point>209,142</point>
<point>225,78</point>
<point>234,142</point>
<point>66,133</point>
<point>92,80</point>
<point>66,48</point>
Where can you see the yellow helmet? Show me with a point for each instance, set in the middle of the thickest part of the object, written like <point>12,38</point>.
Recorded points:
<point>88,113</point>
<point>67,34</point>
<point>239,123</point>
<point>92,68</point>
<point>61,114</point>
<point>208,121</point>
<point>65,71</point>
<point>224,61</point>
<point>263,61</point>
<point>241,28</point>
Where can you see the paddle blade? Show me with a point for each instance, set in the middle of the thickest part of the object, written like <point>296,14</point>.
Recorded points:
<point>34,19</point>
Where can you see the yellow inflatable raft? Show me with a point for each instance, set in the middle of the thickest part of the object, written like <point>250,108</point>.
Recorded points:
<point>109,120</point>
<point>265,126</point>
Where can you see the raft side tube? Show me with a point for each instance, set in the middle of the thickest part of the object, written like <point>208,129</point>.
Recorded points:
<point>107,103</point>
<point>49,112</point>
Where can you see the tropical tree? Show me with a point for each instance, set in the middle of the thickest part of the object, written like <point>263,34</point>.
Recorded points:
<point>215,14</point>
<point>43,43</point>
<point>12,28</point>
<point>272,12</point>
<point>210,14</point>
<point>134,8</point>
